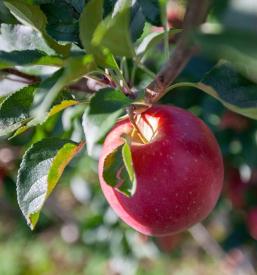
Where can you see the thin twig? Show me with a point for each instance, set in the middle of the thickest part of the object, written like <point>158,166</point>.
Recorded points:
<point>212,247</point>
<point>80,85</point>
<point>31,79</point>
<point>195,15</point>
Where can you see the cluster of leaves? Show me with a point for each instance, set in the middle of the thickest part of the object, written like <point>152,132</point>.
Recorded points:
<point>77,40</point>
<point>106,41</point>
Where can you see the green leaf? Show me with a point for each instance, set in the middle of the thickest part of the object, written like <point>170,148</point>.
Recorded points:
<point>118,170</point>
<point>90,18</point>
<point>230,88</point>
<point>78,5</point>
<point>14,110</point>
<point>109,6</point>
<point>74,69</point>
<point>62,21</point>
<point>128,187</point>
<point>152,11</point>
<point>40,170</point>
<point>33,16</point>
<point>5,15</point>
<point>20,38</point>
<point>18,118</point>
<point>152,39</point>
<point>238,47</point>
<point>113,32</point>
<point>27,14</point>
<point>27,57</point>
<point>103,111</point>
<point>58,106</point>
<point>137,22</point>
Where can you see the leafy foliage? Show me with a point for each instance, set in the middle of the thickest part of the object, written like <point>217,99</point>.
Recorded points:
<point>40,170</point>
<point>151,10</point>
<point>61,45</point>
<point>234,91</point>
<point>33,16</point>
<point>20,118</point>
<point>233,45</point>
<point>13,118</point>
<point>104,109</point>
<point>31,57</point>
<point>19,38</point>
<point>74,68</point>
<point>113,33</point>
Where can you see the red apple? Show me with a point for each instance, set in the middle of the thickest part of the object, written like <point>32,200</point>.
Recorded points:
<point>168,243</point>
<point>2,173</point>
<point>236,188</point>
<point>234,121</point>
<point>252,222</point>
<point>179,171</point>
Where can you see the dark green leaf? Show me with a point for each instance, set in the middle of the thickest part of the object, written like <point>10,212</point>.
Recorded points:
<point>108,6</point>
<point>40,170</point>
<point>33,16</point>
<point>62,21</point>
<point>39,2</point>
<point>232,89</point>
<point>137,22</point>
<point>5,15</point>
<point>118,170</point>
<point>63,101</point>
<point>78,5</point>
<point>104,109</point>
<point>27,57</point>
<point>236,46</point>
<point>152,11</point>
<point>14,110</point>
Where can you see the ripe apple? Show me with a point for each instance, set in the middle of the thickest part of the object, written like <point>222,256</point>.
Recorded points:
<point>236,188</point>
<point>168,243</point>
<point>252,222</point>
<point>179,171</point>
<point>2,173</point>
<point>234,121</point>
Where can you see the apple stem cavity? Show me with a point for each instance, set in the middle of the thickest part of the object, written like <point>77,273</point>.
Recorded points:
<point>136,130</point>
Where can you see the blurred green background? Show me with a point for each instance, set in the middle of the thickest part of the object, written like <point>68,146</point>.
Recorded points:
<point>79,234</point>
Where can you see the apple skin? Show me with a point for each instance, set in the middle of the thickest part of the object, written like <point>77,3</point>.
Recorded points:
<point>252,222</point>
<point>169,243</point>
<point>236,188</point>
<point>2,173</point>
<point>234,121</point>
<point>179,173</point>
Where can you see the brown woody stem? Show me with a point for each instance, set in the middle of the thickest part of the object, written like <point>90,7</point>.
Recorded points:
<point>80,85</point>
<point>30,79</point>
<point>196,13</point>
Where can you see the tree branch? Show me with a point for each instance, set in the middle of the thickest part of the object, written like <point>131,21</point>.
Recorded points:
<point>196,13</point>
<point>80,85</point>
<point>30,79</point>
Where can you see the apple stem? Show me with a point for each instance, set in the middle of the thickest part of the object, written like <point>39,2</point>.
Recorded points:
<point>130,111</point>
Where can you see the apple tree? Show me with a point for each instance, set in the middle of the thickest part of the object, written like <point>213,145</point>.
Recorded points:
<point>112,66</point>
